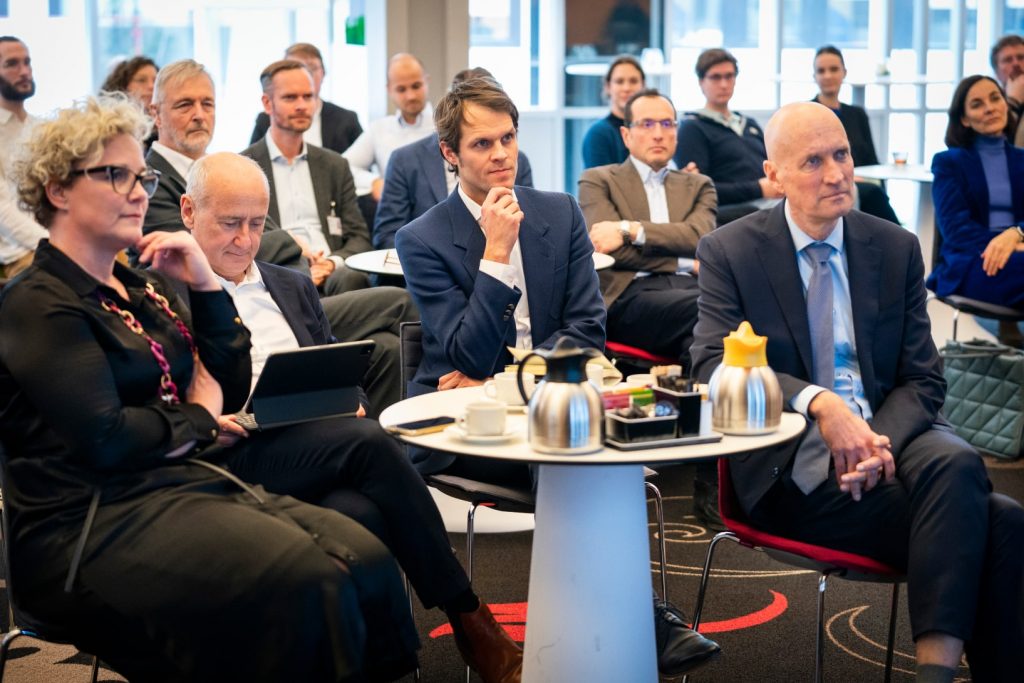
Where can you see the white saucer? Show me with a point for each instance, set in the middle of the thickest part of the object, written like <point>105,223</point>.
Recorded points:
<point>456,432</point>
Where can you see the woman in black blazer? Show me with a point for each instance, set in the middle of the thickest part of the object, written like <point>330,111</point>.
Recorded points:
<point>145,555</point>
<point>829,72</point>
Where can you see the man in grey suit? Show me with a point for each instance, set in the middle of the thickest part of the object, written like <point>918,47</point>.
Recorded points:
<point>840,296</point>
<point>312,194</point>
<point>184,109</point>
<point>650,218</point>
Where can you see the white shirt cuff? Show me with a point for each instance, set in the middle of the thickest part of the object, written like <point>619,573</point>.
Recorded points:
<point>802,401</point>
<point>338,261</point>
<point>502,272</point>
<point>641,237</point>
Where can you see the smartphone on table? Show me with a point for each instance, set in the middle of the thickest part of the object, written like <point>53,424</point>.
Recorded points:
<point>420,427</point>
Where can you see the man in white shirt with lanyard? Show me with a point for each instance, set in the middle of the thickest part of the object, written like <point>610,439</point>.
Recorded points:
<point>312,194</point>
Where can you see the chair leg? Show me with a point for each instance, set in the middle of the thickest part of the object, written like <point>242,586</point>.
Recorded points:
<point>5,646</point>
<point>412,615</point>
<point>819,641</point>
<point>96,669</point>
<point>469,554</point>
<point>659,512</point>
<point>892,631</point>
<point>705,575</point>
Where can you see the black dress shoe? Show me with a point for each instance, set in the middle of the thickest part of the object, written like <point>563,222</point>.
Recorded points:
<point>705,506</point>
<point>680,648</point>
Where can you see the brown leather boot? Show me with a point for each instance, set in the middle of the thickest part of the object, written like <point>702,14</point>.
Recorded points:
<point>486,647</point>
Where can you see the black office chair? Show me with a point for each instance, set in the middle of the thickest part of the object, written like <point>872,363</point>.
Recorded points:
<point>495,496</point>
<point>964,304</point>
<point>21,623</point>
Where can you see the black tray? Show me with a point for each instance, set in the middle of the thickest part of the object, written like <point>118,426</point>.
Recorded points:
<point>661,443</point>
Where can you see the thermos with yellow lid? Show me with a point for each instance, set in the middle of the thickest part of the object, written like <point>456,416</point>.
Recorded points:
<point>744,391</point>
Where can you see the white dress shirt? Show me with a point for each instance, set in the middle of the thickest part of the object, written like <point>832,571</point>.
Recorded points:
<point>657,206</point>
<point>19,231</point>
<point>268,328</point>
<point>511,274</point>
<point>296,202</point>
<point>375,145</point>
<point>178,161</point>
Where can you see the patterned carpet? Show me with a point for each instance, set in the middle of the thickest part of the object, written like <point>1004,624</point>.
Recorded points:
<point>760,611</point>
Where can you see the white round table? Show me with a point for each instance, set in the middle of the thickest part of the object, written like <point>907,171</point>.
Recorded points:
<point>380,261</point>
<point>385,262</point>
<point>590,616</point>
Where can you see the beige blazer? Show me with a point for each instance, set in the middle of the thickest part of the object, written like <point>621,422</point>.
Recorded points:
<point>615,192</point>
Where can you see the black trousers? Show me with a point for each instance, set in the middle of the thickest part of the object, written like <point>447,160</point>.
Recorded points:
<point>200,582</point>
<point>961,545</point>
<point>657,314</point>
<point>354,466</point>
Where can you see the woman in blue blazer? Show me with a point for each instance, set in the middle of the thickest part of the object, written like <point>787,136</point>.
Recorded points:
<point>979,199</point>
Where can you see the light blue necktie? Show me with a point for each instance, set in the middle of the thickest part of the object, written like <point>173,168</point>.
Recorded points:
<point>819,314</point>
<point>810,466</point>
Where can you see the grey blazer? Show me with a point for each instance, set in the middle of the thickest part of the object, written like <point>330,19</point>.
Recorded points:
<point>615,192</point>
<point>332,182</point>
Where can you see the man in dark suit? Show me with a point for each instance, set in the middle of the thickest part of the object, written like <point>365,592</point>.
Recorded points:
<point>496,265</point>
<point>855,355</point>
<point>184,110</point>
<point>333,127</point>
<point>312,195</point>
<point>417,179</point>
<point>349,464</point>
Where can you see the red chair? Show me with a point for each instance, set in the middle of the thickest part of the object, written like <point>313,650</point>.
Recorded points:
<point>826,561</point>
<point>634,357</point>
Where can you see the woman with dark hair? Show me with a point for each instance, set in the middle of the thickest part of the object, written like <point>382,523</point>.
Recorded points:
<point>829,72</point>
<point>161,564</point>
<point>979,199</point>
<point>603,143</point>
<point>135,77</point>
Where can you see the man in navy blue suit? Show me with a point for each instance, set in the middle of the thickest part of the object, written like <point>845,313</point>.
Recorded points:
<point>418,178</point>
<point>349,463</point>
<point>879,472</point>
<point>497,265</point>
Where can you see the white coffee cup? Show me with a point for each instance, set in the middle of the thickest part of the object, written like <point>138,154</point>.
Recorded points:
<point>505,388</point>
<point>483,418</point>
<point>640,380</point>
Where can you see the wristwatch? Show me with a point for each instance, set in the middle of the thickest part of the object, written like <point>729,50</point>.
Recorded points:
<point>627,237</point>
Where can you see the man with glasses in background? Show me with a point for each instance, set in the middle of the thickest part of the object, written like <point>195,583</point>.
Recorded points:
<point>650,218</point>
<point>19,231</point>
<point>724,144</point>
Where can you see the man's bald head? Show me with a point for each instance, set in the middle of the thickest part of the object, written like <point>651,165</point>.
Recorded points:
<point>809,161</point>
<point>408,85</point>
<point>225,206</point>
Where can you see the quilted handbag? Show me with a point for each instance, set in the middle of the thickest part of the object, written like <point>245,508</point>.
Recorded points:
<point>985,395</point>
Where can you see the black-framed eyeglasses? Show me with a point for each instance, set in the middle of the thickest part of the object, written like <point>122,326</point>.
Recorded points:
<point>122,179</point>
<point>651,124</point>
